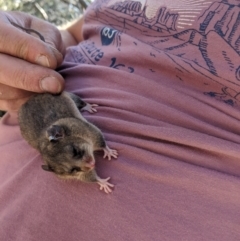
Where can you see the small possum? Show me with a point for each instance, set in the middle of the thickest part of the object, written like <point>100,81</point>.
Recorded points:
<point>53,125</point>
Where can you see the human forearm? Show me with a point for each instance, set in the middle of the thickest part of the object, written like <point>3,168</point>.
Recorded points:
<point>72,33</point>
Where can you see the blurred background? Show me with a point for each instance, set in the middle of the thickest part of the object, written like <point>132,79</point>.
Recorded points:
<point>58,12</point>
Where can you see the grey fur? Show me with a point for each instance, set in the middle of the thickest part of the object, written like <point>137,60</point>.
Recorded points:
<point>53,125</point>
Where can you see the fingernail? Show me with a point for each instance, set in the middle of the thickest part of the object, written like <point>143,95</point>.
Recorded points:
<point>50,84</point>
<point>43,60</point>
<point>57,54</point>
<point>55,51</point>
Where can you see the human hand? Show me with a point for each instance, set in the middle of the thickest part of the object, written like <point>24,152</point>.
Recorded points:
<point>26,62</point>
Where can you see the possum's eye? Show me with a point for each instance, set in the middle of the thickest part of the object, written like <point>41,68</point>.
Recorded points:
<point>78,153</point>
<point>75,169</point>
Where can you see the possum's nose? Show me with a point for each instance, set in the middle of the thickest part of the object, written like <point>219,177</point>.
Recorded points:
<point>90,163</point>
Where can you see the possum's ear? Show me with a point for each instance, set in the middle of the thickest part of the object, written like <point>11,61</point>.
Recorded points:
<point>55,133</point>
<point>47,168</point>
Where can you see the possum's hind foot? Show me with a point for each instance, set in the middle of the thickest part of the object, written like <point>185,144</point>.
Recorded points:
<point>90,108</point>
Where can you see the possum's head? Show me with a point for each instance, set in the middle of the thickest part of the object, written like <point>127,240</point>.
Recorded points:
<point>66,152</point>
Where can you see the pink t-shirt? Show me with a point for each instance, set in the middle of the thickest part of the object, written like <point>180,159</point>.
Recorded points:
<point>166,77</point>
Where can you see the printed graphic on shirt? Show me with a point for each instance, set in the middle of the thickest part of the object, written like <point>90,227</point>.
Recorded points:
<point>209,29</point>
<point>162,16</point>
<point>88,53</point>
<point>224,95</point>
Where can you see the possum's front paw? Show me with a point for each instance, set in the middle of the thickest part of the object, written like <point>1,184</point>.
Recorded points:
<point>90,108</point>
<point>105,185</point>
<point>109,153</point>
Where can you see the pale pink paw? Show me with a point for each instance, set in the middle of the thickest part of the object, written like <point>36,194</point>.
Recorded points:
<point>109,153</point>
<point>105,185</point>
<point>90,108</point>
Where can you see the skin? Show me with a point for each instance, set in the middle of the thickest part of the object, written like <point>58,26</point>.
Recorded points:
<point>34,60</point>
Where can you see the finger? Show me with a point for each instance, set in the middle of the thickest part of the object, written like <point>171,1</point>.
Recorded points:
<point>16,42</point>
<point>20,74</point>
<point>11,93</point>
<point>12,105</point>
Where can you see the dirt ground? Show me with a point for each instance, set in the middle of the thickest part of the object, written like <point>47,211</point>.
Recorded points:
<point>59,12</point>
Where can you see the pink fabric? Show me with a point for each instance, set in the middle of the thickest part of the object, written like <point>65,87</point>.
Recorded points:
<point>172,114</point>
